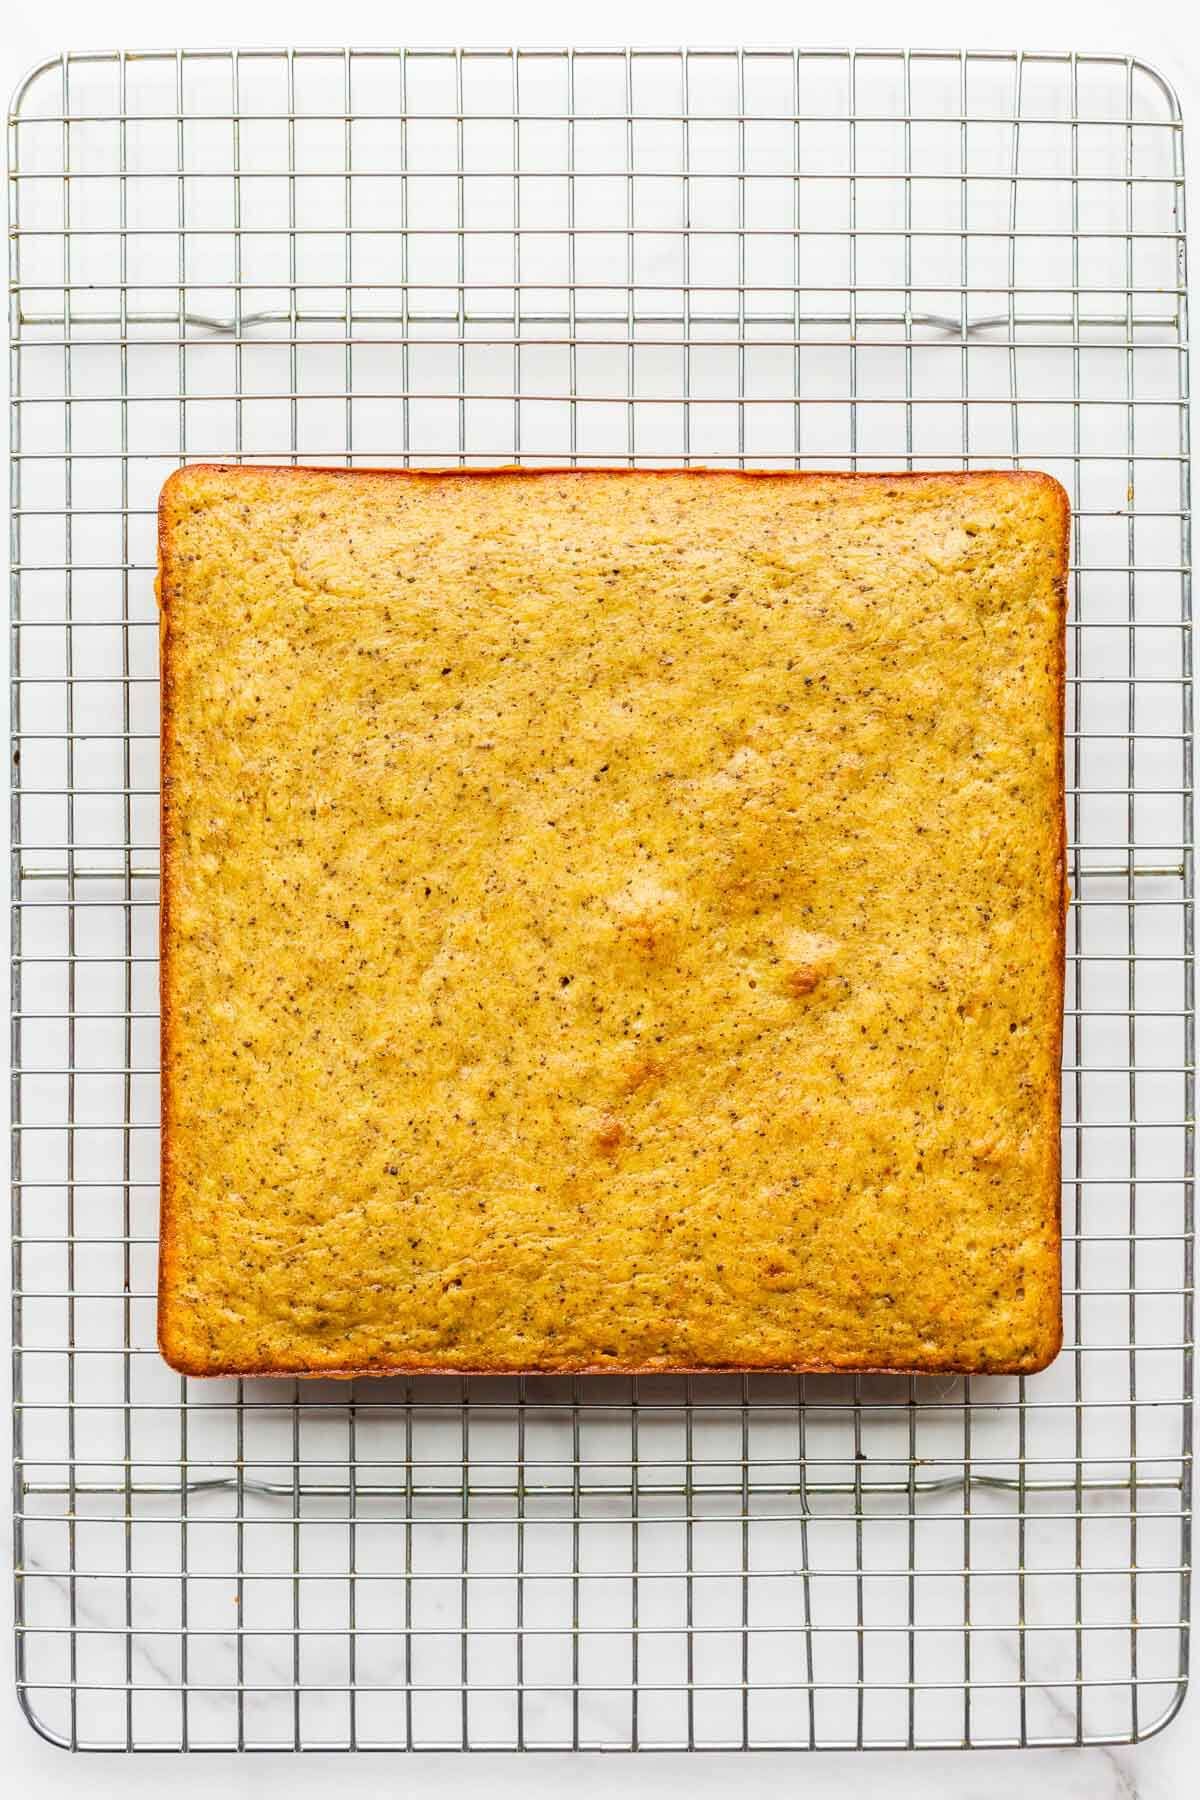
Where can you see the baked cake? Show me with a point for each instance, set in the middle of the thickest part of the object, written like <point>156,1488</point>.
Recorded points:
<point>611,920</point>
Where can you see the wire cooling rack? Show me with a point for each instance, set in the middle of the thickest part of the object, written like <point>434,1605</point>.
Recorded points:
<point>788,259</point>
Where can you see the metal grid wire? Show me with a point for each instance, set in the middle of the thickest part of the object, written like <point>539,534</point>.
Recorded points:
<point>784,259</point>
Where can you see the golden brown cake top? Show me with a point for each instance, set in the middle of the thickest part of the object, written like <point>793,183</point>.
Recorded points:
<point>611,920</point>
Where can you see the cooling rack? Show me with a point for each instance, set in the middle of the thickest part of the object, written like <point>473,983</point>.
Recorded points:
<point>779,258</point>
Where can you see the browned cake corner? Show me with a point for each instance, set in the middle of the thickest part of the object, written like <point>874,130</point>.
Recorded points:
<point>611,921</point>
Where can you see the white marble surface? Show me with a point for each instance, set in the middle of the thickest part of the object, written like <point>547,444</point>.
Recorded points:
<point>1156,1770</point>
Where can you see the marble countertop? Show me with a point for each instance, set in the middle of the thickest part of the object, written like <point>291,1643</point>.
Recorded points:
<point>1155,1770</point>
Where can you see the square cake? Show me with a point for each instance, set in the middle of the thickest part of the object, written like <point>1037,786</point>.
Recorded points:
<point>611,921</point>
